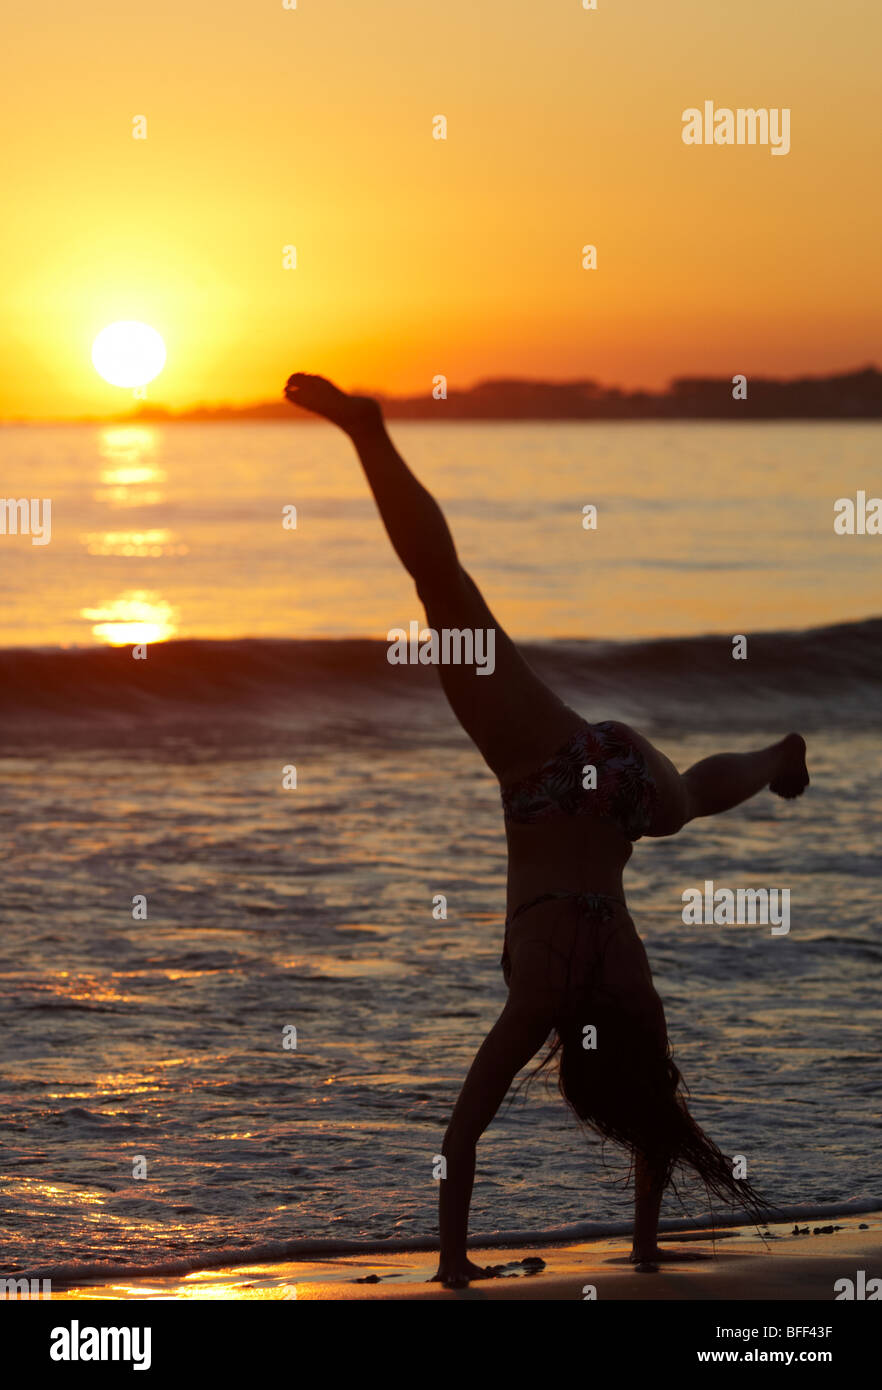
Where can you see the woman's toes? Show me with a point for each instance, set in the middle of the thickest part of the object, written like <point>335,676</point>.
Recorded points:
<point>312,392</point>
<point>322,397</point>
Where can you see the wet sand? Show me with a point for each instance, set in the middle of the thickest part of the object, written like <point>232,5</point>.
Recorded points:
<point>728,1266</point>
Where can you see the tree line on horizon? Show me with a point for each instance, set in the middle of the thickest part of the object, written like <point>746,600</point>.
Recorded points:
<point>853,395</point>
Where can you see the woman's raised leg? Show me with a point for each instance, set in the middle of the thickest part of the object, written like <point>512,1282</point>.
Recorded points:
<point>725,780</point>
<point>720,782</point>
<point>512,716</point>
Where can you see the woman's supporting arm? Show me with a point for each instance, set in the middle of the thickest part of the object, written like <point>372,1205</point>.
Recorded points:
<point>516,1036</point>
<point>648,1193</point>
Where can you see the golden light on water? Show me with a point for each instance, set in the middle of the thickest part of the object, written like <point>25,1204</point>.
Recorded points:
<point>129,496</point>
<point>156,542</point>
<point>122,443</point>
<point>43,1196</point>
<point>134,617</point>
<point>175,1289</point>
<point>130,475</point>
<point>130,478</point>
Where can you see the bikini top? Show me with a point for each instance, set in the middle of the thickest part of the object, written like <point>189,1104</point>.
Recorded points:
<point>624,793</point>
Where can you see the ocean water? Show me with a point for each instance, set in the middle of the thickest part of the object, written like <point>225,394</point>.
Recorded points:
<point>160,1041</point>
<point>161,531</point>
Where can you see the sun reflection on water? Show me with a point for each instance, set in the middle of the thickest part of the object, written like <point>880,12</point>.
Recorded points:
<point>124,441</point>
<point>128,454</point>
<point>155,542</point>
<point>136,616</point>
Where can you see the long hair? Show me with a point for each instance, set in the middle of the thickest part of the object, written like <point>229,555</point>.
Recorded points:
<point>628,1089</point>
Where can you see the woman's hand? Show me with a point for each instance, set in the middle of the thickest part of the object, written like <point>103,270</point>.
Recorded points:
<point>456,1274</point>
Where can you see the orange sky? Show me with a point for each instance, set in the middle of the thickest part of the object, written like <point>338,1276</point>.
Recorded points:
<point>312,127</point>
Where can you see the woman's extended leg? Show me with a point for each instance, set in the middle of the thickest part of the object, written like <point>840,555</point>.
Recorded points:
<point>720,782</point>
<point>513,717</point>
<point>725,780</point>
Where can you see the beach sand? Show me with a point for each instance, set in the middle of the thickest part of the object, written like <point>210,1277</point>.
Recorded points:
<point>737,1266</point>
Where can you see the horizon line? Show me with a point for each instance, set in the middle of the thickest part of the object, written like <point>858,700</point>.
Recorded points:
<point>503,391</point>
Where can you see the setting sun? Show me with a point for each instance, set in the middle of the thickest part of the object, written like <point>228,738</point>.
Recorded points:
<point>128,353</point>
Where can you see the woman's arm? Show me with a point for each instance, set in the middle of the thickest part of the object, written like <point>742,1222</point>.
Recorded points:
<point>516,1036</point>
<point>648,1193</point>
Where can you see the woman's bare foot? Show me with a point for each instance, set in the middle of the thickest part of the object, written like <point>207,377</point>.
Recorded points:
<point>319,395</point>
<point>459,1274</point>
<point>793,778</point>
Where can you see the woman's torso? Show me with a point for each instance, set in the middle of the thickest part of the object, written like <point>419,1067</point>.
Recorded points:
<point>567,835</point>
<point>587,855</point>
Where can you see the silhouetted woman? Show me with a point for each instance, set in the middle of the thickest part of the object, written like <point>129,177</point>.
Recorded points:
<point>575,797</point>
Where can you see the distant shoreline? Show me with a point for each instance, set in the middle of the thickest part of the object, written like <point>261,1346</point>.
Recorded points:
<point>855,395</point>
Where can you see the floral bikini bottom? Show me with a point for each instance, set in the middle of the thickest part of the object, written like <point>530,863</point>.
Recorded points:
<point>595,907</point>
